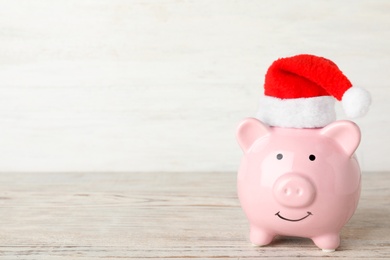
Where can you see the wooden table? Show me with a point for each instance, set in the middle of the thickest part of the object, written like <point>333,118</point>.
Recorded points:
<point>161,216</point>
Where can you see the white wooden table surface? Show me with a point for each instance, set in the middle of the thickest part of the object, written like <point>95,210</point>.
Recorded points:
<point>161,216</point>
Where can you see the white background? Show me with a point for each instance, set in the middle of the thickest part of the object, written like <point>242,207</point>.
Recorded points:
<point>160,85</point>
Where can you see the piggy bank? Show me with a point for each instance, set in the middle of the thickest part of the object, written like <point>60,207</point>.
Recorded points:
<point>298,182</point>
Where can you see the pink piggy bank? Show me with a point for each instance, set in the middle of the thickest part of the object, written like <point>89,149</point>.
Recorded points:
<point>298,182</point>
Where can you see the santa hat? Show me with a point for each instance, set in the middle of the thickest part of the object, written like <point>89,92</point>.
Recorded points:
<point>300,92</point>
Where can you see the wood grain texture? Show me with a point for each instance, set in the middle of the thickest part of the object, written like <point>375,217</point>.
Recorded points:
<point>160,85</point>
<point>161,216</point>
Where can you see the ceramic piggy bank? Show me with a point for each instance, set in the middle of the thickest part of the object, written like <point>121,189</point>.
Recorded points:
<point>298,181</point>
<point>299,175</point>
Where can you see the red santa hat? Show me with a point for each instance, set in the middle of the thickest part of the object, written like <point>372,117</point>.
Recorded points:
<point>300,92</point>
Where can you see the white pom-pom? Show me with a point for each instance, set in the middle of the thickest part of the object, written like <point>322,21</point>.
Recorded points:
<point>356,102</point>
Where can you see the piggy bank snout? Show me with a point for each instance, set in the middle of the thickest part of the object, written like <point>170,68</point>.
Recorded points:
<point>294,190</point>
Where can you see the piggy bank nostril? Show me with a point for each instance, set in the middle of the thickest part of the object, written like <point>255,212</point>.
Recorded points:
<point>299,191</point>
<point>287,191</point>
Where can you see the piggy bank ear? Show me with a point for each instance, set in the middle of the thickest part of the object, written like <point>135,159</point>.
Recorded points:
<point>345,133</point>
<point>250,130</point>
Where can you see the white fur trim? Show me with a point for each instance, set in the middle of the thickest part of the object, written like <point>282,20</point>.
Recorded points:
<point>356,102</point>
<point>297,113</point>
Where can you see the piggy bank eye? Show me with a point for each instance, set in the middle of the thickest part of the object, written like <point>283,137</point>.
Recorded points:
<point>279,156</point>
<point>312,157</point>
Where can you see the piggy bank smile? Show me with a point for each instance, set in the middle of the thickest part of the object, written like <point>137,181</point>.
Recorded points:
<point>293,220</point>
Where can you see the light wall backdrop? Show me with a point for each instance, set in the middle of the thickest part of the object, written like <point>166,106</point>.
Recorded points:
<point>160,85</point>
